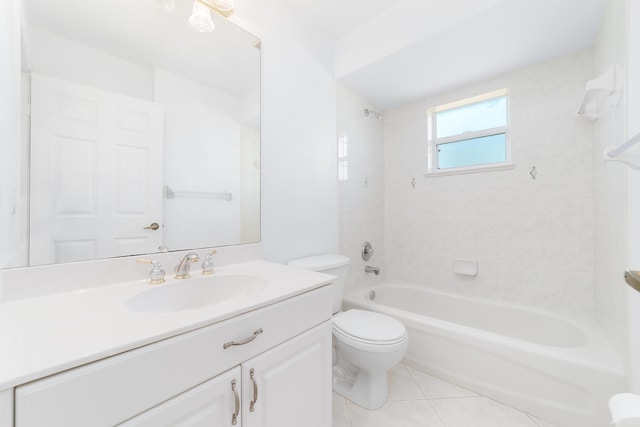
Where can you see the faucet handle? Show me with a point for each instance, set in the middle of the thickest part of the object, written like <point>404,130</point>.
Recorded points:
<point>207,264</point>
<point>156,275</point>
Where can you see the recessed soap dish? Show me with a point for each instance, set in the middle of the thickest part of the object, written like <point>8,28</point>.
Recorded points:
<point>466,267</point>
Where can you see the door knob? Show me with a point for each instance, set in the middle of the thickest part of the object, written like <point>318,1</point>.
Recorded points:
<point>153,226</point>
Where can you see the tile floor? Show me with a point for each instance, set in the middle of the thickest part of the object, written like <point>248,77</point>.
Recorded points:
<point>417,399</point>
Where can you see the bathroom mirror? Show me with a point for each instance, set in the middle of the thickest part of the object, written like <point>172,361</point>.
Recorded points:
<point>140,134</point>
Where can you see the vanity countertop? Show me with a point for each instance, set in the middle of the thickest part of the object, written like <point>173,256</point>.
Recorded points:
<point>44,335</point>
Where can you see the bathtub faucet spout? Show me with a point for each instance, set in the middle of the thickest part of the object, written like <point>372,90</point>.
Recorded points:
<point>374,270</point>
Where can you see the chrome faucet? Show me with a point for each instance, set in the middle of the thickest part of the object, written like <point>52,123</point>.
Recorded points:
<point>184,267</point>
<point>374,270</point>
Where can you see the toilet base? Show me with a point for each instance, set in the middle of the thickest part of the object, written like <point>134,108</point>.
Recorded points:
<point>366,388</point>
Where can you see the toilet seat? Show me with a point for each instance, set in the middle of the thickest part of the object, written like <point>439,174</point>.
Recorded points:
<point>369,331</point>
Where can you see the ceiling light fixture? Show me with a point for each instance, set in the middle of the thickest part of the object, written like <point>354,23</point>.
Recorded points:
<point>223,7</point>
<point>200,18</point>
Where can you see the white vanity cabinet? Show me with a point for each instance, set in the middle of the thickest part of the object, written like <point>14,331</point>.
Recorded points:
<point>211,404</point>
<point>290,385</point>
<point>187,379</point>
<point>287,386</point>
<point>6,408</point>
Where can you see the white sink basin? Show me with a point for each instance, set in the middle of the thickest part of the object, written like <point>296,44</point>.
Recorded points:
<point>195,293</point>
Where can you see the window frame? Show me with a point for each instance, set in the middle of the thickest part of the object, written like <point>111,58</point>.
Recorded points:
<point>433,142</point>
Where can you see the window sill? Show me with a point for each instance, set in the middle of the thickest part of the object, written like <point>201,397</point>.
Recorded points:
<point>473,169</point>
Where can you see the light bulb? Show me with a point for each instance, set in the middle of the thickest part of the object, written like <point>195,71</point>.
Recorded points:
<point>201,18</point>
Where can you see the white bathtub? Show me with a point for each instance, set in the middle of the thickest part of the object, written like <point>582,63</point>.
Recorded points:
<point>561,370</point>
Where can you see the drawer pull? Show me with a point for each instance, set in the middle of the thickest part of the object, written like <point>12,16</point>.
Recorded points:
<point>252,405</point>
<point>234,418</point>
<point>244,341</point>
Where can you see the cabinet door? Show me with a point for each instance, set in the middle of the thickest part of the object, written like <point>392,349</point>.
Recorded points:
<point>290,385</point>
<point>6,408</point>
<point>210,404</point>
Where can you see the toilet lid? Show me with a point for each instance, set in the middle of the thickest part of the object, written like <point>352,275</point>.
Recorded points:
<point>369,326</point>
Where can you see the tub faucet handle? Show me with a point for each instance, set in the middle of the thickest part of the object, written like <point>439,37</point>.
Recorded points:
<point>367,251</point>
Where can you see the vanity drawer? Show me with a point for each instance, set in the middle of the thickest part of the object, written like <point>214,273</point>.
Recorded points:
<point>112,390</point>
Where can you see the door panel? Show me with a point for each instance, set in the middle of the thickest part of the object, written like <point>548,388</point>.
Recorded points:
<point>99,159</point>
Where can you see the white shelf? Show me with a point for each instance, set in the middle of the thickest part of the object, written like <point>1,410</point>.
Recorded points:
<point>621,153</point>
<point>607,85</point>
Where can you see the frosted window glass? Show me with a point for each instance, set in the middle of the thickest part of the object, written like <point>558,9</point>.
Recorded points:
<point>471,152</point>
<point>488,114</point>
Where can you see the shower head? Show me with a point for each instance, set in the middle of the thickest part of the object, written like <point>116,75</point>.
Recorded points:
<point>377,115</point>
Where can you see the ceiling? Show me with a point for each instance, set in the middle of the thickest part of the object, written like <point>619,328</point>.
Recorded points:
<point>393,52</point>
<point>338,17</point>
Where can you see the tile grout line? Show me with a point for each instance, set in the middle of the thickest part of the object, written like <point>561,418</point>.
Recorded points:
<point>532,419</point>
<point>444,424</point>
<point>348,412</point>
<point>406,368</point>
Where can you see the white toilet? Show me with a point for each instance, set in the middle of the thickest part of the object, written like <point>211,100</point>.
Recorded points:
<point>366,344</point>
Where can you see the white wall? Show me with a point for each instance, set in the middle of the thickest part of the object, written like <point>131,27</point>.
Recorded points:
<point>66,59</point>
<point>299,190</point>
<point>633,127</point>
<point>202,153</point>
<point>361,196</point>
<point>9,127</point>
<point>533,239</point>
<point>250,203</point>
<point>611,188</point>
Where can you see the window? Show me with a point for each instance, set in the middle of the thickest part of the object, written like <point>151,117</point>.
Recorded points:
<point>470,135</point>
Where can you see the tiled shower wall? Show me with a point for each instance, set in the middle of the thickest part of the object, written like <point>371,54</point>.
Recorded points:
<point>533,239</point>
<point>361,191</point>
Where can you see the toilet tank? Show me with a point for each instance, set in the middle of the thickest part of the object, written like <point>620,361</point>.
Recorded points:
<point>336,265</point>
